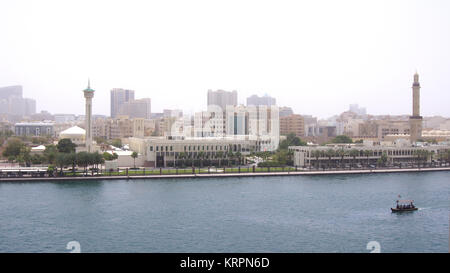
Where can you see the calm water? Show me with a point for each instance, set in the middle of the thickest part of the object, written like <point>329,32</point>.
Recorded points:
<point>264,214</point>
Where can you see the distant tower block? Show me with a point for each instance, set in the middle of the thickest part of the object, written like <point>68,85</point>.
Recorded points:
<point>88,94</point>
<point>415,121</point>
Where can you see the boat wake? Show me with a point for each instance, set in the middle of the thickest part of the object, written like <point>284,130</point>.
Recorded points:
<point>440,207</point>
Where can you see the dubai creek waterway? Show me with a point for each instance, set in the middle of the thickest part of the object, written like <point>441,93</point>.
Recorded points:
<point>326,213</point>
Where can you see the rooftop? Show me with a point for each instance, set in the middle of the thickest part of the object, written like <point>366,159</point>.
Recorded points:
<point>75,130</point>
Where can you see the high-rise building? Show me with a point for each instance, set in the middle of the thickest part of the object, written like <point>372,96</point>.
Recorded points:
<point>88,95</point>
<point>257,101</point>
<point>140,108</point>
<point>11,91</point>
<point>119,97</point>
<point>415,121</point>
<point>222,98</point>
<point>13,103</point>
<point>29,106</point>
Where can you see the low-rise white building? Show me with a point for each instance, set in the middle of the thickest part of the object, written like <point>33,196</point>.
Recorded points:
<point>160,150</point>
<point>368,153</point>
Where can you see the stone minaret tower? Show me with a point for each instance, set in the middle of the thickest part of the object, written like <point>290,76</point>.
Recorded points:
<point>88,94</point>
<point>415,121</point>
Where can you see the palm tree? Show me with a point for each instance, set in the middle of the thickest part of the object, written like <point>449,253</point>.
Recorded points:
<point>329,153</point>
<point>219,154</point>
<point>425,155</point>
<point>239,156</point>
<point>316,154</point>
<point>290,155</point>
<point>98,160</point>
<point>60,161</point>
<point>368,153</point>
<point>230,156</point>
<point>201,156</point>
<point>417,153</point>
<point>72,160</point>
<point>354,153</point>
<point>383,159</point>
<point>341,153</point>
<point>431,157</point>
<point>447,156</point>
<point>134,155</point>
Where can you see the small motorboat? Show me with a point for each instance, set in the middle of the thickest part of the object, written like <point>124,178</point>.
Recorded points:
<point>404,205</point>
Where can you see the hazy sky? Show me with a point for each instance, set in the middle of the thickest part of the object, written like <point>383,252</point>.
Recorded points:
<point>315,56</point>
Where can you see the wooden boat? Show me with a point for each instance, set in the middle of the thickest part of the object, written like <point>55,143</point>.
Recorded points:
<point>400,210</point>
<point>404,205</point>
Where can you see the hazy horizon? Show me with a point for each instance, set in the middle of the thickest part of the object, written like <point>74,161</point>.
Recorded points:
<point>316,57</point>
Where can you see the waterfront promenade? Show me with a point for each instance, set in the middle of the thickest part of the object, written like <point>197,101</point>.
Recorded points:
<point>218,174</point>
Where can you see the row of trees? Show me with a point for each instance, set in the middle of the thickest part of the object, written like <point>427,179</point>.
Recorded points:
<point>203,159</point>
<point>81,159</point>
<point>18,151</point>
<point>61,155</point>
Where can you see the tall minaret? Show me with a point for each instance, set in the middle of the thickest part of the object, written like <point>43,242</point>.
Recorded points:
<point>415,121</point>
<point>88,94</point>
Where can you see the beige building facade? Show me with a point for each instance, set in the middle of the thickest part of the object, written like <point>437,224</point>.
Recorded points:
<point>292,124</point>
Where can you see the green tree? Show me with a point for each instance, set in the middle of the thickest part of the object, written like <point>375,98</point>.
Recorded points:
<point>330,153</point>
<point>239,157</point>
<point>66,145</point>
<point>230,156</point>
<point>342,139</point>
<point>134,155</point>
<point>316,154</point>
<point>116,143</point>
<point>291,140</point>
<point>72,160</point>
<point>97,159</point>
<point>50,153</point>
<point>341,153</point>
<point>219,155</point>
<point>36,159</point>
<point>108,157</point>
<point>354,153</point>
<point>383,159</point>
<point>83,160</point>
<point>368,153</point>
<point>61,162</point>
<point>13,148</point>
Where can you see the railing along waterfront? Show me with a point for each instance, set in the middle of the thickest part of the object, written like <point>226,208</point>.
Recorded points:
<point>129,172</point>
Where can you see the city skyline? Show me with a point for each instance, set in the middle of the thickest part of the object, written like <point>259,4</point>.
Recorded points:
<point>367,56</point>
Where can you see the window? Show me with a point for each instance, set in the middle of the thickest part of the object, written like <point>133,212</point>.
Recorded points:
<point>157,148</point>
<point>151,148</point>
